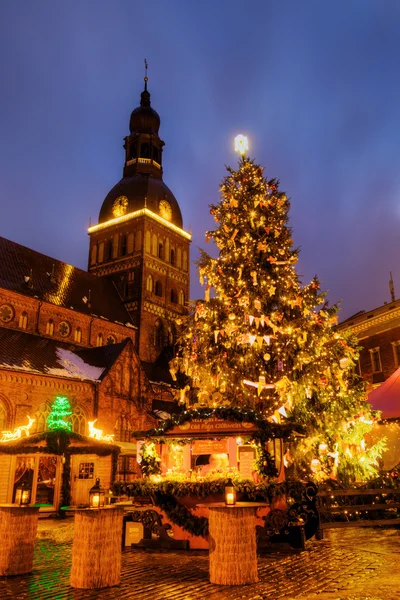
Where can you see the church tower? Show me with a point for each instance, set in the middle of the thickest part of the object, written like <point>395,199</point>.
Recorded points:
<point>139,240</point>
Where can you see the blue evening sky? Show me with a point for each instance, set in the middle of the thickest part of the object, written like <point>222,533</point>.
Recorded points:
<point>314,84</point>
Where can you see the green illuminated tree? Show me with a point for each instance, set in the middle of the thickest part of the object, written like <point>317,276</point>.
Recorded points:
<point>60,409</point>
<point>262,340</point>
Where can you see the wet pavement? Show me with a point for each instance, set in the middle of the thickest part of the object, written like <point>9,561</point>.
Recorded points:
<point>350,564</point>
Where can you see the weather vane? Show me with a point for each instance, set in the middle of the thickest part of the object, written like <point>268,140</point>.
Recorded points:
<point>241,144</point>
<point>146,66</point>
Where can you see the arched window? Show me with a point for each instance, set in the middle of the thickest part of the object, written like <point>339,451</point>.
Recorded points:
<point>154,245</point>
<point>179,258</point>
<point>138,240</point>
<point>133,150</point>
<point>185,260</point>
<point>145,151</point>
<point>110,340</point>
<point>93,255</point>
<point>3,415</point>
<point>172,335</point>
<point>128,286</point>
<point>50,327</point>
<point>123,429</point>
<point>149,283</point>
<point>118,379</point>
<point>166,249</point>
<point>172,257</point>
<point>23,320</point>
<point>99,339</point>
<point>160,251</point>
<point>158,288</point>
<point>156,154</point>
<point>78,420</point>
<point>148,242</point>
<point>174,296</point>
<point>124,245</point>
<point>41,415</point>
<point>158,334</point>
<point>130,243</point>
<point>101,252</point>
<point>108,250</point>
<point>181,297</point>
<point>115,246</point>
<point>78,335</point>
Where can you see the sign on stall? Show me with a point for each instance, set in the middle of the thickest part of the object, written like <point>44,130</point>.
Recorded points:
<point>246,458</point>
<point>209,446</point>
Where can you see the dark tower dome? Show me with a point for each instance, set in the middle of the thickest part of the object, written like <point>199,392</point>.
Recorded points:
<point>144,119</point>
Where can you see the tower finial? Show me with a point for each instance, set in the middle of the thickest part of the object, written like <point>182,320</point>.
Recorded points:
<point>146,66</point>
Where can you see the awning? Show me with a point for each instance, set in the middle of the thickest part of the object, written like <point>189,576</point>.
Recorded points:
<point>386,397</point>
<point>127,448</point>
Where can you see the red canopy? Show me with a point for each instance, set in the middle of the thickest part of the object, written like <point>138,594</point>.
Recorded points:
<point>386,397</point>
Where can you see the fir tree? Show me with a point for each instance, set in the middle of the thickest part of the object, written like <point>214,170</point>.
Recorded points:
<point>60,409</point>
<point>261,339</point>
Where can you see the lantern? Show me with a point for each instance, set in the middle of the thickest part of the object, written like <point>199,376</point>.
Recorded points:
<point>23,494</point>
<point>96,495</point>
<point>230,493</point>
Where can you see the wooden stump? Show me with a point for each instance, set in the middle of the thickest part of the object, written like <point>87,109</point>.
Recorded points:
<point>233,547</point>
<point>18,528</point>
<point>96,551</point>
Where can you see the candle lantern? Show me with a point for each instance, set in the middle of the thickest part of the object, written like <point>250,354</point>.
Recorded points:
<point>23,494</point>
<point>96,495</point>
<point>230,493</point>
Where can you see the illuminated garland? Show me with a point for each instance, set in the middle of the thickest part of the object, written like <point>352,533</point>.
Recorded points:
<point>265,428</point>
<point>166,494</point>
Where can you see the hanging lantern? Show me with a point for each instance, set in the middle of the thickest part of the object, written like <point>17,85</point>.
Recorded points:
<point>23,494</point>
<point>96,495</point>
<point>230,493</point>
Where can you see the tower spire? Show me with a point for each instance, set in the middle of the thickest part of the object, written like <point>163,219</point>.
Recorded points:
<point>146,66</point>
<point>145,95</point>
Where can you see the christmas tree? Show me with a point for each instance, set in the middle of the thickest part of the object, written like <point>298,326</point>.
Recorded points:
<point>60,409</point>
<point>261,339</point>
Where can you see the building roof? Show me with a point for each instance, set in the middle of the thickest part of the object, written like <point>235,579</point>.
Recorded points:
<point>386,397</point>
<point>368,323</point>
<point>31,273</point>
<point>20,351</point>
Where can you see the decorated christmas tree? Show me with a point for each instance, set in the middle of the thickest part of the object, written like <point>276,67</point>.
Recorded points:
<point>60,409</point>
<point>261,339</point>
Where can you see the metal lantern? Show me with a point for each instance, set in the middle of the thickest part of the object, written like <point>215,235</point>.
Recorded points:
<point>23,494</point>
<point>230,493</point>
<point>96,495</point>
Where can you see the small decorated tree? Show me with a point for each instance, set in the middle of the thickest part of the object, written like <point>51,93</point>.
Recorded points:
<point>60,409</point>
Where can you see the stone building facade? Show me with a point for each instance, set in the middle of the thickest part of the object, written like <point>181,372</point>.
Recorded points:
<point>378,332</point>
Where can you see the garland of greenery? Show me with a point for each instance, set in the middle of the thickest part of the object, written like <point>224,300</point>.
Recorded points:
<point>166,494</point>
<point>265,428</point>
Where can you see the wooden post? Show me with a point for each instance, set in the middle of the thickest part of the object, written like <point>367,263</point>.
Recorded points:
<point>233,548</point>
<point>96,551</point>
<point>18,528</point>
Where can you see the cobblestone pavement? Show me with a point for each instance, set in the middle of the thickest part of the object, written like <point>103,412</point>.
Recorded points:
<point>352,564</point>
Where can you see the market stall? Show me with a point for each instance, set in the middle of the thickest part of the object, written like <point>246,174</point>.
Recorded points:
<point>189,459</point>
